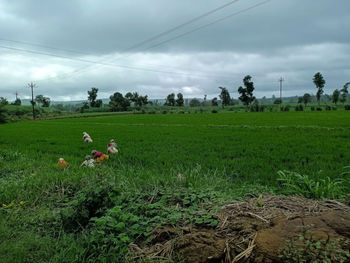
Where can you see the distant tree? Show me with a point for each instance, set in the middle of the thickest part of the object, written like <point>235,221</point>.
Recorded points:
<point>195,103</point>
<point>17,102</point>
<point>118,102</point>
<point>277,101</point>
<point>3,113</point>
<point>39,99</point>
<point>180,100</point>
<point>335,96</point>
<point>300,99</point>
<point>170,100</point>
<point>42,101</point>
<point>98,103</point>
<point>306,98</point>
<point>3,101</point>
<point>129,96</point>
<point>85,105</point>
<point>141,101</point>
<point>247,93</point>
<point>214,101</point>
<point>46,102</point>
<point>225,97</point>
<point>344,92</point>
<point>92,96</point>
<point>319,83</point>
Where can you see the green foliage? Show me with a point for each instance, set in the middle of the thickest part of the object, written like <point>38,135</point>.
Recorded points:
<point>306,249</point>
<point>335,96</point>
<point>344,92</point>
<point>118,102</point>
<point>17,102</point>
<point>247,93</point>
<point>306,98</point>
<point>320,188</point>
<point>224,96</point>
<point>214,101</point>
<point>170,100</point>
<point>3,101</point>
<point>3,114</point>
<point>92,95</point>
<point>180,100</point>
<point>136,215</point>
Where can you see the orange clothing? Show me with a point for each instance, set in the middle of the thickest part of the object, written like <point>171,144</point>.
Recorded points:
<point>62,164</point>
<point>102,158</point>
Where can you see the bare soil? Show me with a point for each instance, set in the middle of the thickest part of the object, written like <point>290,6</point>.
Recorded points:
<point>255,230</point>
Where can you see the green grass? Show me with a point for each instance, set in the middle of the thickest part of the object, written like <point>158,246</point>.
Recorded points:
<point>67,215</point>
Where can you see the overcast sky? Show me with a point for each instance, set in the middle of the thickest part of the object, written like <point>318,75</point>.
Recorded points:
<point>292,39</point>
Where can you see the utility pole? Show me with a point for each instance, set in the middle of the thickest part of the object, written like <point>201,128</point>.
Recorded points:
<point>280,81</point>
<point>32,86</point>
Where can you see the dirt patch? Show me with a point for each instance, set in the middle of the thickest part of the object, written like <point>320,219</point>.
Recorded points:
<point>254,230</point>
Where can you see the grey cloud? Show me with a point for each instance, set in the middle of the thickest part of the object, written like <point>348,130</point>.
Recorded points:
<point>292,38</point>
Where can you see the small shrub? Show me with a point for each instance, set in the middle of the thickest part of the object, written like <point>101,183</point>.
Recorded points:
<point>214,111</point>
<point>164,112</point>
<point>181,112</point>
<point>312,108</point>
<point>328,108</point>
<point>347,107</point>
<point>319,109</point>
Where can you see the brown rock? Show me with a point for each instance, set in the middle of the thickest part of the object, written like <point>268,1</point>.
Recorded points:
<point>201,247</point>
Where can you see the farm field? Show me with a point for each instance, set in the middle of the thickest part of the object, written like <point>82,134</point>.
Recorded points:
<point>71,215</point>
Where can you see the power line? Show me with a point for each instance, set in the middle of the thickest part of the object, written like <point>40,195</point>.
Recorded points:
<point>162,33</point>
<point>153,46</point>
<point>44,46</point>
<point>106,64</point>
<point>196,29</point>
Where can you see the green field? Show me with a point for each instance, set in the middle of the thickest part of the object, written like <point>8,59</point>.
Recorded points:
<point>223,157</point>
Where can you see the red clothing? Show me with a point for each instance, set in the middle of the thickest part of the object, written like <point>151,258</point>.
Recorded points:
<point>97,155</point>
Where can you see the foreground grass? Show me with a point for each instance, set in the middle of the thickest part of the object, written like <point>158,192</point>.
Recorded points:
<point>90,215</point>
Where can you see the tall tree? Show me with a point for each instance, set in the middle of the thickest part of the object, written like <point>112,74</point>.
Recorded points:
<point>118,102</point>
<point>247,96</point>
<point>335,96</point>
<point>225,97</point>
<point>170,100</point>
<point>214,101</point>
<point>92,96</point>
<point>180,100</point>
<point>306,98</point>
<point>319,83</point>
<point>344,92</point>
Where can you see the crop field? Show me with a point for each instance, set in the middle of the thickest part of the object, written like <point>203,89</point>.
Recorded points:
<point>47,213</point>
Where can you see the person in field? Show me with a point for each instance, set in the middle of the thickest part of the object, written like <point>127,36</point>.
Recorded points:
<point>99,157</point>
<point>62,163</point>
<point>112,147</point>
<point>89,162</point>
<point>86,137</point>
